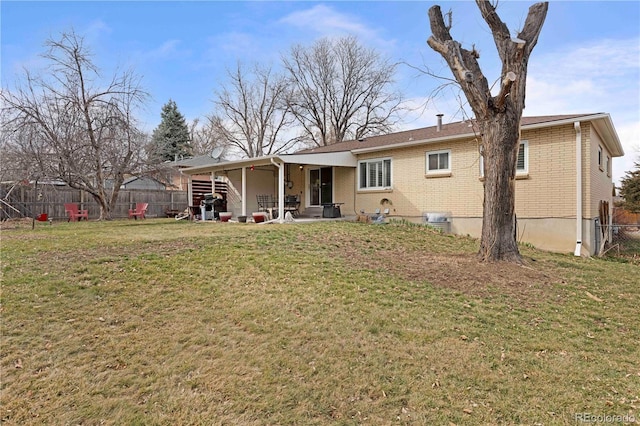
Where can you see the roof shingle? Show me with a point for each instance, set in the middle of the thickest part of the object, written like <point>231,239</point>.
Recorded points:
<point>424,134</point>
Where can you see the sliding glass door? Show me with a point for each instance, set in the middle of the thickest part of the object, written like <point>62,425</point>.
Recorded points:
<point>320,186</point>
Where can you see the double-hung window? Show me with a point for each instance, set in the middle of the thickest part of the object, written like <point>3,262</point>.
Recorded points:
<point>600,157</point>
<point>522,161</point>
<point>374,174</point>
<point>438,162</point>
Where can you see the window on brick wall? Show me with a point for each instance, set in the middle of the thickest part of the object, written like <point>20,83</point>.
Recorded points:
<point>600,157</point>
<point>522,162</point>
<point>374,173</point>
<point>438,162</point>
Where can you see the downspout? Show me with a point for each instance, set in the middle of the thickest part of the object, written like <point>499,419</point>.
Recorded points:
<point>578,250</point>
<point>280,190</point>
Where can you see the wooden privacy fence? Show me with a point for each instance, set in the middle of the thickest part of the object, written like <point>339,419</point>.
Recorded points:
<point>31,201</point>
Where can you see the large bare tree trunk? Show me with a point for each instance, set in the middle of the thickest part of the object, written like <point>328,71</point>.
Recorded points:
<point>498,239</point>
<point>498,117</point>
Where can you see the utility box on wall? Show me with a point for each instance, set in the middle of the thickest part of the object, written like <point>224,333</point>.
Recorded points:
<point>438,220</point>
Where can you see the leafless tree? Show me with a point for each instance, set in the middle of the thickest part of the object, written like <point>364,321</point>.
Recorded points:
<point>73,128</point>
<point>251,115</point>
<point>498,117</point>
<point>204,138</point>
<point>341,90</point>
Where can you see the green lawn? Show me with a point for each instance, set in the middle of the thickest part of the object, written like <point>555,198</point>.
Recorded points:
<point>170,322</point>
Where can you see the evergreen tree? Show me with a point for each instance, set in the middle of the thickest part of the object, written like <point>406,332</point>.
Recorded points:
<point>171,138</point>
<point>630,190</point>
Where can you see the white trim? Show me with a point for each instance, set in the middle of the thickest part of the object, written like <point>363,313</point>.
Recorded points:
<point>601,121</point>
<point>438,171</point>
<point>600,153</point>
<point>307,178</point>
<point>329,159</point>
<point>524,171</point>
<point>382,160</point>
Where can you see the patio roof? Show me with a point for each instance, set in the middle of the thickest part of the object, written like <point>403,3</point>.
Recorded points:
<point>341,159</point>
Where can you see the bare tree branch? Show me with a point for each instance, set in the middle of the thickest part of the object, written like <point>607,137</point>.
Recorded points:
<point>341,90</point>
<point>76,131</point>
<point>252,115</point>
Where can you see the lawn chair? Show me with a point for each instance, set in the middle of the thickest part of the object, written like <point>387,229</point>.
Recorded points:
<point>292,205</point>
<point>74,213</point>
<point>139,211</point>
<point>267,203</point>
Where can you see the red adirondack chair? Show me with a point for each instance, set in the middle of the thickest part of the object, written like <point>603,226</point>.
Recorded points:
<point>74,213</point>
<point>139,211</point>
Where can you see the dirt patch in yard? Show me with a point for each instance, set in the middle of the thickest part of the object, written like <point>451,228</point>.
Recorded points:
<point>463,273</point>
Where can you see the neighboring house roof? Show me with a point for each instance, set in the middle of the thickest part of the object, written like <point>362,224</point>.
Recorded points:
<point>200,160</point>
<point>140,182</point>
<point>464,129</point>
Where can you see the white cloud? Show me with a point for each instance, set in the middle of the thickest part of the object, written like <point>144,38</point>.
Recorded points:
<point>95,30</point>
<point>327,22</point>
<point>233,42</point>
<point>602,76</point>
<point>167,50</point>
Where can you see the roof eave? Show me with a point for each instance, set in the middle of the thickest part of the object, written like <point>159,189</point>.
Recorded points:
<point>409,144</point>
<point>607,129</point>
<point>341,158</point>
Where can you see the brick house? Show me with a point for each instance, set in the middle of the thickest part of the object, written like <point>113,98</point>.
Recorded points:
<point>563,178</point>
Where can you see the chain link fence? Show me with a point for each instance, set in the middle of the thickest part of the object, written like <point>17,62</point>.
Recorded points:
<point>624,242</point>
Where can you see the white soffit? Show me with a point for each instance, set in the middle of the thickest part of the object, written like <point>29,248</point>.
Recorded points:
<point>339,159</point>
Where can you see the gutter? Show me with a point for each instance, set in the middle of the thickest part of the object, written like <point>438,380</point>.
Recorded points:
<point>578,250</point>
<point>592,117</point>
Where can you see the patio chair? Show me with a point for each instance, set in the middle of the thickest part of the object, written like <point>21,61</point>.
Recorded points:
<point>267,203</point>
<point>139,211</point>
<point>74,213</point>
<point>264,202</point>
<point>292,204</point>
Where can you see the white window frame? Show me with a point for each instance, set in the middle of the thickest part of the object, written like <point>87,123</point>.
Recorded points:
<point>519,172</point>
<point>600,157</point>
<point>438,171</point>
<point>387,172</point>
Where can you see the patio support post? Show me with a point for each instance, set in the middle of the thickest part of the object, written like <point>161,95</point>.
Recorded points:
<point>189,194</point>
<point>244,191</point>
<point>280,167</point>
<point>212,177</point>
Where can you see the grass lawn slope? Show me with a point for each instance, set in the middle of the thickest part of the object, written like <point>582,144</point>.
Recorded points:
<point>168,322</point>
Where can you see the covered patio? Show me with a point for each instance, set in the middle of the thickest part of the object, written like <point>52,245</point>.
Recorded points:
<point>315,180</point>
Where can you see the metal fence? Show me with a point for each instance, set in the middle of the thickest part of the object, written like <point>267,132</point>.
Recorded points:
<point>624,241</point>
<point>32,201</point>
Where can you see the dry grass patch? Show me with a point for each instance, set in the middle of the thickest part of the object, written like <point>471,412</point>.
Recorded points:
<point>165,322</point>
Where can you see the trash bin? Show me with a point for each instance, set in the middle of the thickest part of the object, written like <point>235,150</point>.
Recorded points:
<point>331,210</point>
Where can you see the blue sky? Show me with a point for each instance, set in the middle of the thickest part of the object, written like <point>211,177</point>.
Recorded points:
<point>587,59</point>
